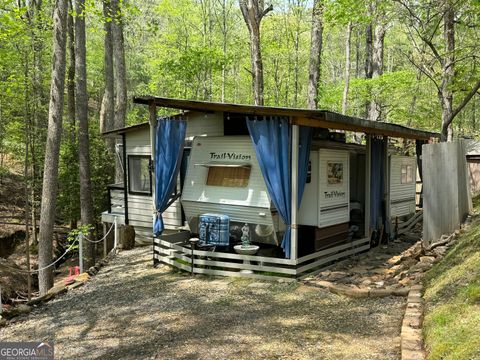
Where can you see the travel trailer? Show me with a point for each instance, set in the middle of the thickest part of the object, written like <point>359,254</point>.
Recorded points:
<point>350,191</point>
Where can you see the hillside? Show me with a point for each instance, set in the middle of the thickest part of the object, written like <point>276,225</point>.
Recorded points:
<point>452,320</point>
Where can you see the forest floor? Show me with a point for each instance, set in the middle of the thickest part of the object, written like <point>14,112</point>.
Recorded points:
<point>131,310</point>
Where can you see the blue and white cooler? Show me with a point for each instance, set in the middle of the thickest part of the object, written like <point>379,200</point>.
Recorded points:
<point>213,229</point>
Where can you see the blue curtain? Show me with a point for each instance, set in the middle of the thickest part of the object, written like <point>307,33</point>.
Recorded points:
<point>271,140</point>
<point>305,142</point>
<point>377,182</point>
<point>170,138</point>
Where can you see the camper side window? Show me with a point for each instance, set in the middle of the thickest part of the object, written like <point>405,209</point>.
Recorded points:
<point>228,176</point>
<point>407,174</point>
<point>139,176</point>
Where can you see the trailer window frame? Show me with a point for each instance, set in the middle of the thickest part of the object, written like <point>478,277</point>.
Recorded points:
<point>131,172</point>
<point>406,174</point>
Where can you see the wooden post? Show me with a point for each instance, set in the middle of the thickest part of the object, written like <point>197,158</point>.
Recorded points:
<point>368,169</point>
<point>386,192</point>
<point>294,230</point>
<point>80,251</point>
<point>105,240</point>
<point>153,125</point>
<point>125,179</point>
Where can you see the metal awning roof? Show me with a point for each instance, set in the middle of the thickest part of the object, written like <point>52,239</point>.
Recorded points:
<point>305,117</point>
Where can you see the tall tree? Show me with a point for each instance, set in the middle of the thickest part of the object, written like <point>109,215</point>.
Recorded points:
<point>315,54</point>
<point>253,12</point>
<point>440,63</point>
<point>107,109</point>
<point>81,111</point>
<point>52,150</point>
<point>120,71</point>
<point>346,87</point>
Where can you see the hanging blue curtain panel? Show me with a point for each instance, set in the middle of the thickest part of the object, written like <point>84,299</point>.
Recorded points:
<point>271,140</point>
<point>305,143</point>
<point>377,182</point>
<point>170,138</point>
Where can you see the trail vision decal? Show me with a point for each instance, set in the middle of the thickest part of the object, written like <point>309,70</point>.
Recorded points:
<point>229,156</point>
<point>334,194</point>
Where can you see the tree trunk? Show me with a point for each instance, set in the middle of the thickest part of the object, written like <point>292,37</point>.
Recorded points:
<point>52,149</point>
<point>347,69</point>
<point>107,108</point>
<point>375,111</point>
<point>71,137</point>
<point>253,12</point>
<point>120,76</point>
<point>315,54</point>
<point>81,111</point>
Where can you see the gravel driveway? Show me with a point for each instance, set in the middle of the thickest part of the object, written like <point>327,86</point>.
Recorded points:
<point>132,311</point>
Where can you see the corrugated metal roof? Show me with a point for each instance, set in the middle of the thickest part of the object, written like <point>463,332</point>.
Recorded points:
<point>306,117</point>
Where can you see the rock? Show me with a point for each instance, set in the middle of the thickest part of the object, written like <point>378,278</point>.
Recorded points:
<point>379,283</point>
<point>380,271</point>
<point>92,271</point>
<point>82,277</point>
<point>421,266</point>
<point>259,285</point>
<point>3,322</point>
<point>322,283</point>
<point>348,291</point>
<point>366,282</point>
<point>59,288</point>
<point>427,259</point>
<point>21,309</point>
<point>337,275</point>
<point>395,260</point>
<point>381,292</point>
<point>440,250</point>
<point>75,285</point>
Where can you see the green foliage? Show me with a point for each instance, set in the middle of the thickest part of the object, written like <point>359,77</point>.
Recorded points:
<point>73,235</point>
<point>453,296</point>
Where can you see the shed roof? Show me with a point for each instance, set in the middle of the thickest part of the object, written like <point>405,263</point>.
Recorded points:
<point>306,117</point>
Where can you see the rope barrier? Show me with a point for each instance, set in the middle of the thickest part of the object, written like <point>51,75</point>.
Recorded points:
<point>104,237</point>
<point>59,258</point>
<point>45,267</point>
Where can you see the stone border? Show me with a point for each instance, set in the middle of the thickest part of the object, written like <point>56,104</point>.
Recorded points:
<point>357,292</point>
<point>411,334</point>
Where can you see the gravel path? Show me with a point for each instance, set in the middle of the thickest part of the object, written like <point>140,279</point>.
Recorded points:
<point>132,311</point>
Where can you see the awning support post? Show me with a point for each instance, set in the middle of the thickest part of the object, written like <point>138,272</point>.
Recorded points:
<point>152,120</point>
<point>294,230</point>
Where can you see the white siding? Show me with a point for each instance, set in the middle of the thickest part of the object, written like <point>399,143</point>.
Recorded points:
<point>204,124</point>
<point>334,199</point>
<point>402,196</point>
<point>140,207</point>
